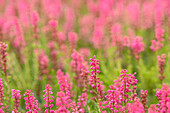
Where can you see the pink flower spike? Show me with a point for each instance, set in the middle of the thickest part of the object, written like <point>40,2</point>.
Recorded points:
<point>48,98</point>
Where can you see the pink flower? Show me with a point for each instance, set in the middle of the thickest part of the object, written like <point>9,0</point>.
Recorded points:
<point>73,38</point>
<point>98,37</point>
<point>136,107</point>
<point>43,63</point>
<point>161,63</point>
<point>137,46</point>
<point>48,98</point>
<point>64,96</point>
<point>30,102</point>
<point>163,96</point>
<point>35,19</point>
<point>118,94</point>
<point>1,96</point>
<point>16,96</point>
<point>94,81</point>
<point>3,55</point>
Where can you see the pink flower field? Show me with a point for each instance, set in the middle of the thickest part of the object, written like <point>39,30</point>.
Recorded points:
<point>84,56</point>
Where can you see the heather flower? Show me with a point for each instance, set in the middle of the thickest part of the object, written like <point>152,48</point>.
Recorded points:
<point>98,37</point>
<point>156,45</point>
<point>147,15</point>
<point>144,98</point>
<point>136,107</point>
<point>64,96</point>
<point>30,102</point>
<point>163,96</point>
<point>95,83</point>
<point>70,18</point>
<point>73,38</point>
<point>118,95</point>
<point>62,102</point>
<point>82,100</point>
<point>48,99</point>
<point>84,76</point>
<point>16,96</point>
<point>3,53</point>
<point>77,65</point>
<point>23,9</point>
<point>153,109</point>
<point>85,28</point>
<point>53,27</point>
<point>1,28</point>
<point>35,19</point>
<point>137,46</point>
<point>53,55</point>
<point>52,8</point>
<point>19,41</point>
<point>133,9</point>
<point>43,64</point>
<point>161,63</point>
<point>116,35</point>
<point>61,37</point>
<point>1,95</point>
<point>85,52</point>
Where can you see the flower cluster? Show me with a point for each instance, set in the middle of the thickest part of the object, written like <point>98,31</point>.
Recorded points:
<point>43,64</point>
<point>53,28</point>
<point>78,65</point>
<point>117,38</point>
<point>1,96</point>
<point>3,54</point>
<point>118,95</point>
<point>35,19</point>
<point>136,107</point>
<point>161,63</point>
<point>53,55</point>
<point>144,98</point>
<point>48,99</point>
<point>82,101</point>
<point>137,47</point>
<point>30,102</point>
<point>159,30</point>
<point>16,96</point>
<point>64,96</point>
<point>163,96</point>
<point>73,38</point>
<point>95,83</point>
